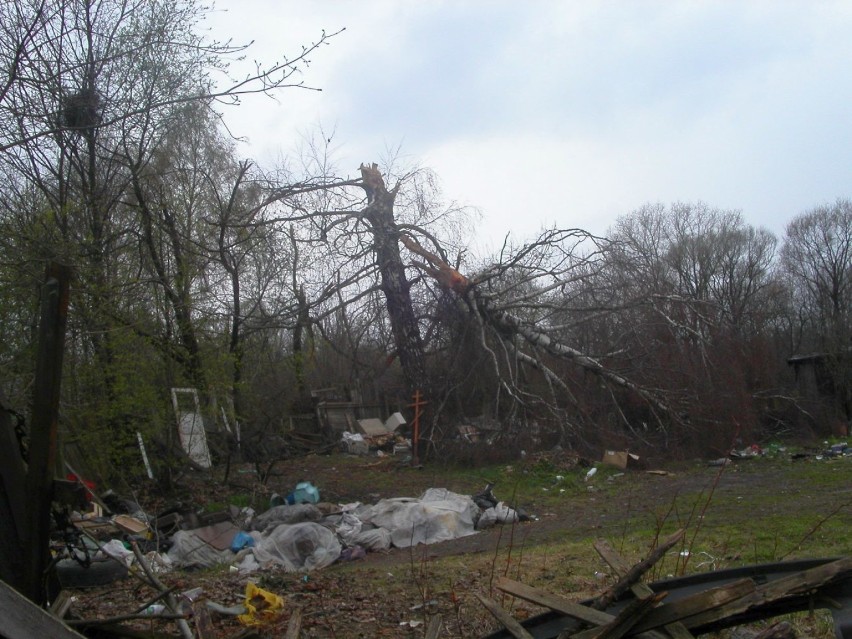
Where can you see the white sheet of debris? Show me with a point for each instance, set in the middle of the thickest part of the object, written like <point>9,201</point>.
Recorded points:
<point>438,515</point>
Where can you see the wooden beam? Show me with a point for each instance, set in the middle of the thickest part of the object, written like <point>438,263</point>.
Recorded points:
<point>625,620</point>
<point>433,630</point>
<point>294,626</point>
<point>22,619</point>
<point>798,584</point>
<point>635,573</point>
<point>509,623</point>
<point>554,602</point>
<point>622,567</point>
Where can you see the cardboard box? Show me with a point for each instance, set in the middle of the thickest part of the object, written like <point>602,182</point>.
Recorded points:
<point>131,525</point>
<point>619,458</point>
<point>372,427</point>
<point>394,421</point>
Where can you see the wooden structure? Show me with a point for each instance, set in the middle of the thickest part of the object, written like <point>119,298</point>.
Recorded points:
<point>684,607</point>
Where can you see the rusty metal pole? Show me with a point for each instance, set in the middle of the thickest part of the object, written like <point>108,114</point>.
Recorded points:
<point>43,427</point>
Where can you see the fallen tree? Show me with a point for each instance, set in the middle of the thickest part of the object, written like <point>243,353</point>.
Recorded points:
<point>527,339</point>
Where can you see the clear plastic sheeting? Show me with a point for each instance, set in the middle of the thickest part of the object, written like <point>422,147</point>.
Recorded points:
<point>438,515</point>
<point>305,546</point>
<point>286,514</point>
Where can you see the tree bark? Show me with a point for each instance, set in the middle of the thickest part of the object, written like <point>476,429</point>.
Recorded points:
<point>45,421</point>
<point>395,285</point>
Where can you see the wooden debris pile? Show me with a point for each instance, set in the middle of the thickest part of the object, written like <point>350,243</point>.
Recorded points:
<point>691,606</point>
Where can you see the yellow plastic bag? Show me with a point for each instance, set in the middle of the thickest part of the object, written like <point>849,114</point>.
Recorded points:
<point>262,606</point>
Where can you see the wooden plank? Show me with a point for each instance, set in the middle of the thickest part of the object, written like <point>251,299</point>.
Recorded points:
<point>294,626</point>
<point>22,619</point>
<point>433,630</point>
<point>698,603</point>
<point>60,606</point>
<point>554,602</point>
<point>678,631</point>
<point>634,574</point>
<point>203,624</point>
<point>801,583</point>
<point>621,567</point>
<point>625,621</point>
<point>509,623</point>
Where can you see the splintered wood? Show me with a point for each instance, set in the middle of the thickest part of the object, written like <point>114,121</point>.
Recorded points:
<point>648,614</point>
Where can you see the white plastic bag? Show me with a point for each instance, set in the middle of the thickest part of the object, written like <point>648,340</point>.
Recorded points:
<point>115,548</point>
<point>348,528</point>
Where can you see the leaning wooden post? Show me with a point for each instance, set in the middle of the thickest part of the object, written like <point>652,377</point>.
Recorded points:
<point>43,428</point>
<point>415,427</point>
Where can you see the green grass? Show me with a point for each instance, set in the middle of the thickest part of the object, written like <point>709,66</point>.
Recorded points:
<point>727,525</point>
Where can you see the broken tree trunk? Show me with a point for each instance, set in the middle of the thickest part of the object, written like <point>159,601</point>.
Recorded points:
<point>45,421</point>
<point>395,284</point>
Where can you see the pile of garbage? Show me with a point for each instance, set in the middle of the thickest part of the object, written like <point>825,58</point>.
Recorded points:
<point>298,532</point>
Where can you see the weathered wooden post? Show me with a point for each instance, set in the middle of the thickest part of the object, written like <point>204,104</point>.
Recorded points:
<point>43,428</point>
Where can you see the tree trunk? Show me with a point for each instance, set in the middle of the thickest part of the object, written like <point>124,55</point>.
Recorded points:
<point>45,421</point>
<point>395,285</point>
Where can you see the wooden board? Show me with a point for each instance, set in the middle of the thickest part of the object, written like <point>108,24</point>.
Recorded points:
<point>22,619</point>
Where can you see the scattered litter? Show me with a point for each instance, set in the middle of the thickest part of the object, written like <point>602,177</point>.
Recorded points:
<point>486,498</point>
<point>154,610</point>
<point>226,610</point>
<point>261,606</point>
<point>304,493</point>
<point>115,548</point>
<point>354,443</point>
<point>131,525</point>
<point>722,461</point>
<point>352,553</point>
<point>501,513</point>
<point>241,540</point>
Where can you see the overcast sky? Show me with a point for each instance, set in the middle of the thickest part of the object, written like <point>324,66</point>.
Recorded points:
<point>570,112</point>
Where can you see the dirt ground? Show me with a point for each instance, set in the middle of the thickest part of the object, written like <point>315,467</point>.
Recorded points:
<point>386,594</point>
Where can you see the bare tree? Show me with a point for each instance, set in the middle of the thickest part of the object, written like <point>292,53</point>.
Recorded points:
<point>817,255</point>
<point>56,65</point>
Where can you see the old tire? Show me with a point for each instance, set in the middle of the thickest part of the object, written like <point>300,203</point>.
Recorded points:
<point>98,573</point>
